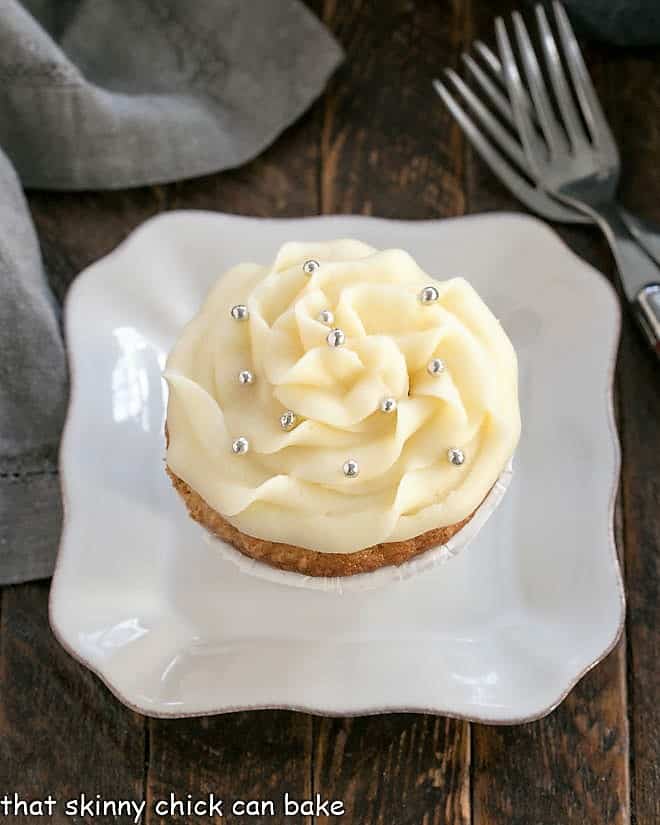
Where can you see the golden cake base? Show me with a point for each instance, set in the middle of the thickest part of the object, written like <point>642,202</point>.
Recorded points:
<point>310,562</point>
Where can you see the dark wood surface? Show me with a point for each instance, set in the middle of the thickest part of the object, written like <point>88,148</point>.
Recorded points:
<point>380,143</point>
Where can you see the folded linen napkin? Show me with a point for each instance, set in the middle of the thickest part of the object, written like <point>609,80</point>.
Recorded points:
<point>109,95</point>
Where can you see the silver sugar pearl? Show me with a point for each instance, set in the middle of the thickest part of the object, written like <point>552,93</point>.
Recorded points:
<point>351,468</point>
<point>245,377</point>
<point>240,312</point>
<point>326,317</point>
<point>388,405</point>
<point>429,295</point>
<point>455,456</point>
<point>435,366</point>
<point>336,338</point>
<point>240,446</point>
<point>310,267</point>
<point>288,420</point>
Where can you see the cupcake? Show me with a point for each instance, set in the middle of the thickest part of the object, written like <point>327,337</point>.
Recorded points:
<point>339,411</point>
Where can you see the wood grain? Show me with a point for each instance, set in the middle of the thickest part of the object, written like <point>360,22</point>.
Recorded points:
<point>641,495</point>
<point>281,182</point>
<point>388,148</point>
<point>379,143</point>
<point>572,766</point>
<point>635,92</point>
<point>254,755</point>
<point>405,769</point>
<point>76,229</point>
<point>61,732</point>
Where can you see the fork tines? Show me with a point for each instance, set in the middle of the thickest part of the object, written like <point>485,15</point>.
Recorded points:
<point>495,128</point>
<point>565,133</point>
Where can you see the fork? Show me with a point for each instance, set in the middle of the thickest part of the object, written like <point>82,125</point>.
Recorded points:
<point>646,234</point>
<point>577,165</point>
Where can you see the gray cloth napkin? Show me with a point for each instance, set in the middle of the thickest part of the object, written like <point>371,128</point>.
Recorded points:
<point>97,94</point>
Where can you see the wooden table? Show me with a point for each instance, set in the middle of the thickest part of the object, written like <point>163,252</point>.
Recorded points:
<point>379,142</point>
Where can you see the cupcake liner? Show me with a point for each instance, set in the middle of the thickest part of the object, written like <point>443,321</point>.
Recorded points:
<point>429,559</point>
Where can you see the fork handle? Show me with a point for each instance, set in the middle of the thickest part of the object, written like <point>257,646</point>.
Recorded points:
<point>644,232</point>
<point>638,273</point>
<point>647,310</point>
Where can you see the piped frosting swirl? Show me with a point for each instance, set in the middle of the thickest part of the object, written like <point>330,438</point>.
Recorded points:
<point>290,486</point>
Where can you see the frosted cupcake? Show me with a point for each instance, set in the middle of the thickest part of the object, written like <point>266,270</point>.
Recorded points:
<point>339,410</point>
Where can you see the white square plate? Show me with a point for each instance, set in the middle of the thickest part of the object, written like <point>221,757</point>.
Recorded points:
<point>499,634</point>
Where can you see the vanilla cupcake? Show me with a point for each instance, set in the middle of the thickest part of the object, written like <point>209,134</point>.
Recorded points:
<point>339,410</point>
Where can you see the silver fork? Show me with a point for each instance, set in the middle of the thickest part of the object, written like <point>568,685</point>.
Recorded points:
<point>490,129</point>
<point>578,166</point>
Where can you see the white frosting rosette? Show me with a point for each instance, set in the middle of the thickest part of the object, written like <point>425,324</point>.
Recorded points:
<point>294,485</point>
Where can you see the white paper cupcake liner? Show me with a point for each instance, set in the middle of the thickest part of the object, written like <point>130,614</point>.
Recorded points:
<point>427,560</point>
